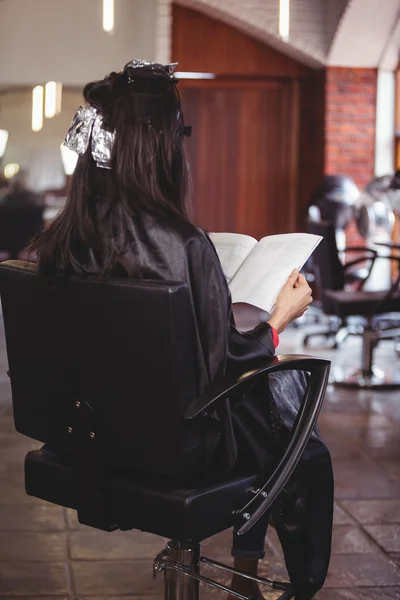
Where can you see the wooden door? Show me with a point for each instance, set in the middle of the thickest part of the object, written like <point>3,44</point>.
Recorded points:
<point>243,152</point>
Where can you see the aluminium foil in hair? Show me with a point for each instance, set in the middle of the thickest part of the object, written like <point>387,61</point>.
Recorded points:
<point>102,143</point>
<point>87,128</point>
<point>78,135</point>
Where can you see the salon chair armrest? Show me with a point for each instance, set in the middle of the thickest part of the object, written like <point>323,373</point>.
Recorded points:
<point>368,254</point>
<point>390,245</point>
<point>364,249</point>
<point>227,386</point>
<point>305,422</point>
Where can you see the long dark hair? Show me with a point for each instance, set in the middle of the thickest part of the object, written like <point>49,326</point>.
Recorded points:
<point>149,174</point>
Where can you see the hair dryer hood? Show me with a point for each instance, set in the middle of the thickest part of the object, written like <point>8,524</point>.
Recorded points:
<point>336,198</point>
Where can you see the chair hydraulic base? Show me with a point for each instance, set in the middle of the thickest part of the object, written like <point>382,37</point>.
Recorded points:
<point>375,380</point>
<point>369,376</point>
<point>337,332</point>
<point>181,566</point>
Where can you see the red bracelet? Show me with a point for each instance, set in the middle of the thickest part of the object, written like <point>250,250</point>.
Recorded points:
<point>275,337</point>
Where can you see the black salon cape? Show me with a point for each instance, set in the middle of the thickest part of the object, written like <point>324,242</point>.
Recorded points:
<point>175,250</point>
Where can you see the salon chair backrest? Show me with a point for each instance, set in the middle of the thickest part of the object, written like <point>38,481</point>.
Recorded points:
<point>121,350</point>
<point>328,269</point>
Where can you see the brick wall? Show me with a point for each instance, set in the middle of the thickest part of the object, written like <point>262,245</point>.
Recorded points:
<point>350,123</point>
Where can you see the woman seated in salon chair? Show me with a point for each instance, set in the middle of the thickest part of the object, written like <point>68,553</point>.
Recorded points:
<point>126,215</point>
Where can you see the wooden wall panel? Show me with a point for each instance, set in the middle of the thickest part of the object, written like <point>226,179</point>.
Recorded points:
<point>258,131</point>
<point>203,44</point>
<point>242,176</point>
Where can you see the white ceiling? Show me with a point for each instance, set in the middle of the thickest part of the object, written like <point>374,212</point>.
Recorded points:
<point>367,35</point>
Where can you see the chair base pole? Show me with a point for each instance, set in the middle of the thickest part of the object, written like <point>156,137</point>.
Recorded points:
<point>369,376</point>
<point>177,585</point>
<point>181,566</point>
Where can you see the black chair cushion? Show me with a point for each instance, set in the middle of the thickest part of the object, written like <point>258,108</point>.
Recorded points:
<point>347,304</point>
<point>140,502</point>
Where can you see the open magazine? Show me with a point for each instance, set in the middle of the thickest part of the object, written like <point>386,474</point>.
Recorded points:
<point>257,271</point>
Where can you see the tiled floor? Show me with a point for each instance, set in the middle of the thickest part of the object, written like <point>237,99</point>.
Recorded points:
<point>45,553</point>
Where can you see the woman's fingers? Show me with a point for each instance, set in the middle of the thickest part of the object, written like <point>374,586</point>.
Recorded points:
<point>302,280</point>
<point>292,279</point>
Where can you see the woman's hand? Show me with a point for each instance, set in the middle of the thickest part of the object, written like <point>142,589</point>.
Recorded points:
<point>292,302</point>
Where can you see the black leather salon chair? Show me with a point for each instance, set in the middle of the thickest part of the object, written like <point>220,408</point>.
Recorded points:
<point>103,372</point>
<point>331,277</point>
<point>329,273</point>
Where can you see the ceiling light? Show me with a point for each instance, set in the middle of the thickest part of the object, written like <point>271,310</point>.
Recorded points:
<point>284,19</point>
<point>108,15</point>
<point>52,104</point>
<point>3,142</point>
<point>37,108</point>
<point>11,170</point>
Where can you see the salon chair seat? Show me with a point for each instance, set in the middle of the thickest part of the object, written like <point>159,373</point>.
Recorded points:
<point>190,513</point>
<point>103,372</point>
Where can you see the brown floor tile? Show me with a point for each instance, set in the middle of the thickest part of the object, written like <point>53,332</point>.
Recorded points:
<point>352,540</point>
<point>273,568</point>
<point>111,578</point>
<point>272,544</point>
<point>340,517</point>
<point>392,468</point>
<point>14,446</point>
<point>32,517</point>
<point>349,422</point>
<point>379,443</point>
<point>33,579</point>
<point>388,402</point>
<point>20,547</point>
<point>12,485</point>
<point>387,536</point>
<point>119,545</point>
<point>396,559</point>
<point>208,593</point>
<point>384,593</point>
<point>7,419</point>
<point>270,568</point>
<point>371,512</point>
<point>361,479</point>
<point>72,520</point>
<point>340,448</point>
<point>366,570</point>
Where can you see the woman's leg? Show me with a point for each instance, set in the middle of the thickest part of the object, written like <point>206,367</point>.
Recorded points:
<point>247,550</point>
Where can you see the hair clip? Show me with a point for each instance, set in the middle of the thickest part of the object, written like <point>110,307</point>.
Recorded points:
<point>156,69</point>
